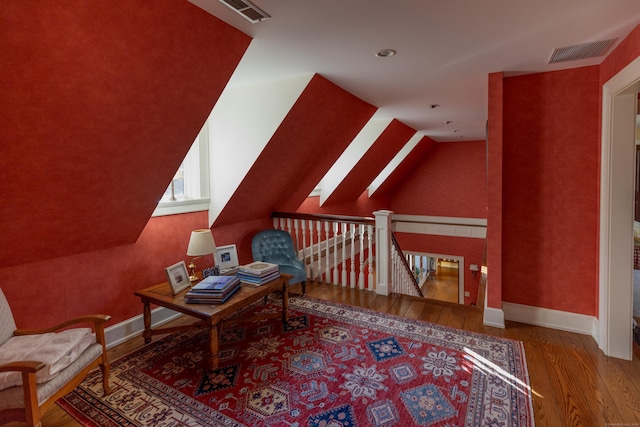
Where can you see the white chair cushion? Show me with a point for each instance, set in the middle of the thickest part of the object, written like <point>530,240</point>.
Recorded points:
<point>56,350</point>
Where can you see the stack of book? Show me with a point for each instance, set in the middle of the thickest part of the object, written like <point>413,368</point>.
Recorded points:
<point>258,273</point>
<point>212,290</point>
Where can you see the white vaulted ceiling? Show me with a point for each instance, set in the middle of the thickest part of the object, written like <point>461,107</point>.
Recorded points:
<point>445,49</point>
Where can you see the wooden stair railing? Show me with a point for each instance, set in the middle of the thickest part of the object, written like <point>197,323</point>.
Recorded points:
<point>404,282</point>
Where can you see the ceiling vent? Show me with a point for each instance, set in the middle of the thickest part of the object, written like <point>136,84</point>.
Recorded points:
<point>580,51</point>
<point>248,10</point>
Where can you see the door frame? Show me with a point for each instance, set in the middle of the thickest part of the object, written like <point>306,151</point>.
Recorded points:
<point>613,330</point>
<point>460,260</point>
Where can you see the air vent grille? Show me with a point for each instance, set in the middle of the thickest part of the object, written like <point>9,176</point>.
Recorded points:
<point>580,51</point>
<point>247,10</point>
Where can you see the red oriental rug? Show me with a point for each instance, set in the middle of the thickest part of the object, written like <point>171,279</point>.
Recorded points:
<point>332,366</point>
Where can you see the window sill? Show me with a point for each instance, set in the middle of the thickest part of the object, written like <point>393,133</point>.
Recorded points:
<point>180,207</point>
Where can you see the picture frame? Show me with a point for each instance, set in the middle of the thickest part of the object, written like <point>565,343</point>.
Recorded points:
<point>226,256</point>
<point>178,277</point>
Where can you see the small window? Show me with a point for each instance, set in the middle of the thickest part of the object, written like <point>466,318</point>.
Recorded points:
<point>188,191</point>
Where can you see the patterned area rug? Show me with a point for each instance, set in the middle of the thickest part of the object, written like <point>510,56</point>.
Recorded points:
<point>333,365</point>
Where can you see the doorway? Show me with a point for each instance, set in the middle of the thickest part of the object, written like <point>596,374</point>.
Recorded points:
<point>440,277</point>
<point>619,99</point>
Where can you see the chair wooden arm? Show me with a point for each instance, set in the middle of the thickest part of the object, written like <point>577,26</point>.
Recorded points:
<point>96,319</point>
<point>25,366</point>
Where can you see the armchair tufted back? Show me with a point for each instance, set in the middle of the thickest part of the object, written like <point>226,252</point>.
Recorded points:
<point>274,246</point>
<point>7,324</point>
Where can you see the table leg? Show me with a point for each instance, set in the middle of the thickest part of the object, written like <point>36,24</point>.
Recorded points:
<point>214,338</point>
<point>146,334</point>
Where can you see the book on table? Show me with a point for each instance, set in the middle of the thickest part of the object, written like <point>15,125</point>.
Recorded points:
<point>214,284</point>
<point>257,280</point>
<point>208,296</point>
<point>259,268</point>
<point>258,273</point>
<point>211,298</point>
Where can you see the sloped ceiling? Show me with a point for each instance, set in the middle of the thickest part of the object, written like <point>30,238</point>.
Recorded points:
<point>409,163</point>
<point>100,103</point>
<point>318,128</point>
<point>385,147</point>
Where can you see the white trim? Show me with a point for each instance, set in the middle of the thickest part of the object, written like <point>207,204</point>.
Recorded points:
<point>130,328</point>
<point>493,317</point>
<point>616,204</point>
<point>181,206</point>
<point>441,226</point>
<point>441,219</point>
<point>548,318</point>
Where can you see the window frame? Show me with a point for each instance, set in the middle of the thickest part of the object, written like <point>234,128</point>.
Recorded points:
<point>195,204</point>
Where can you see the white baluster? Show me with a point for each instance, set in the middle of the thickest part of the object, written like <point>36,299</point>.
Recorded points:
<point>312,265</point>
<point>336,228</point>
<point>344,255</point>
<point>327,270</point>
<point>352,261</point>
<point>361,258</point>
<point>303,225</point>
<point>275,222</point>
<point>370,284</point>
<point>319,231</point>
<point>296,230</point>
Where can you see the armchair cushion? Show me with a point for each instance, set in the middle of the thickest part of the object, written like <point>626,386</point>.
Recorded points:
<point>56,350</point>
<point>14,397</point>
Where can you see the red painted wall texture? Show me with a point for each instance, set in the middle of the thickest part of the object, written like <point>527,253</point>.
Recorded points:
<point>450,181</point>
<point>494,189</point>
<point>550,189</point>
<point>627,51</point>
<point>100,103</point>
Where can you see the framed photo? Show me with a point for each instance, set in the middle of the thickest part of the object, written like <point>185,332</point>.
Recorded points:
<point>178,277</point>
<point>226,256</point>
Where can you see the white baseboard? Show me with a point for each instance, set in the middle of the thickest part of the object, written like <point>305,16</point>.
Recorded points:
<point>493,317</point>
<point>548,318</point>
<point>127,329</point>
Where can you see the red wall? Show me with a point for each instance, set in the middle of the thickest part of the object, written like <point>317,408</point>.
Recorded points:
<point>100,103</point>
<point>450,181</point>
<point>494,190</point>
<point>550,189</point>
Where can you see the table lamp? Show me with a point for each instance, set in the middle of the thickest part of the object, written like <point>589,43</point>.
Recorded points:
<point>200,243</point>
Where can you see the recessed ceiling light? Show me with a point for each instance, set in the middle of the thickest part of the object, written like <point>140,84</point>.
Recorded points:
<point>385,53</point>
<point>448,122</point>
<point>434,105</point>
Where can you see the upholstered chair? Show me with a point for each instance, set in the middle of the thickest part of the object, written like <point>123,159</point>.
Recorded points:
<point>37,367</point>
<point>276,247</point>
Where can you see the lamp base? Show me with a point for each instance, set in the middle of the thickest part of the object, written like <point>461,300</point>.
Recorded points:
<point>193,277</point>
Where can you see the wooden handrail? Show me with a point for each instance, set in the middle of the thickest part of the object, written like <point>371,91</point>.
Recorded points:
<point>414,281</point>
<point>325,217</point>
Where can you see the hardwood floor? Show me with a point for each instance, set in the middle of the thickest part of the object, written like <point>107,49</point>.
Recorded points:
<point>573,383</point>
<point>443,286</point>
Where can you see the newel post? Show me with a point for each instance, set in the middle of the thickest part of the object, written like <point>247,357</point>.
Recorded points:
<point>383,251</point>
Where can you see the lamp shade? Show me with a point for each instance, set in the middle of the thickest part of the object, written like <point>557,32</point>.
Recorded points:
<point>201,243</point>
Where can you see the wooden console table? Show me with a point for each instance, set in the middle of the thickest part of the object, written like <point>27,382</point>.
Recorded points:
<point>210,316</point>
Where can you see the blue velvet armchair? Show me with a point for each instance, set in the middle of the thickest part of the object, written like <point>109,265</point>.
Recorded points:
<point>276,247</point>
